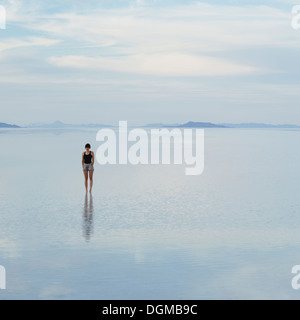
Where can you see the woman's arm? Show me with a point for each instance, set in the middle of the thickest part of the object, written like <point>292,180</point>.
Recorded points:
<point>93,159</point>
<point>82,159</point>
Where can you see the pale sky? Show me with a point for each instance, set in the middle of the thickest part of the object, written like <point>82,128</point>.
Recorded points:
<point>148,61</point>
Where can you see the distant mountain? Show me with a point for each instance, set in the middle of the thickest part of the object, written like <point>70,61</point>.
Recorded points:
<point>160,125</point>
<point>189,124</point>
<point>259,125</point>
<point>60,125</point>
<point>95,125</point>
<point>192,124</point>
<point>56,124</point>
<point>6,125</point>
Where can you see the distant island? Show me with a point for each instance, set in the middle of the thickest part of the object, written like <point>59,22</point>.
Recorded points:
<point>160,125</point>
<point>192,124</point>
<point>189,124</point>
<point>6,125</point>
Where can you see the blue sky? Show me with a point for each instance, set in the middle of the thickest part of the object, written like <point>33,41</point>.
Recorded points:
<point>149,61</point>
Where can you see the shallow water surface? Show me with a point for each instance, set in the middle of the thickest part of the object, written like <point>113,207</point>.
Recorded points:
<point>150,232</point>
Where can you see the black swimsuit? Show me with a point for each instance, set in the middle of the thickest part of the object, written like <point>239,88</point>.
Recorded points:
<point>88,158</point>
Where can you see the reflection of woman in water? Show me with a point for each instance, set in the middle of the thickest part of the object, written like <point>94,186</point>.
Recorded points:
<point>87,223</point>
<point>88,160</point>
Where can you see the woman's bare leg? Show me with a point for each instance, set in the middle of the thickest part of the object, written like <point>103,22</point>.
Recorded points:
<point>91,173</point>
<point>86,176</point>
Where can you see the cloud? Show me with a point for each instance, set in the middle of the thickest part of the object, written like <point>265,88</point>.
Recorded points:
<point>161,64</point>
<point>167,51</point>
<point>187,27</point>
<point>179,40</point>
<point>190,28</point>
<point>31,41</point>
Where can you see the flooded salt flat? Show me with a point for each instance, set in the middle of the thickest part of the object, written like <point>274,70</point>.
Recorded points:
<point>150,232</point>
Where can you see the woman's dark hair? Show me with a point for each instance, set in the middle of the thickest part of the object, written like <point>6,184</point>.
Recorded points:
<point>88,146</point>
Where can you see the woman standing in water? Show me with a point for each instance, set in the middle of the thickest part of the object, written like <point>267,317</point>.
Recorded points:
<point>88,160</point>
